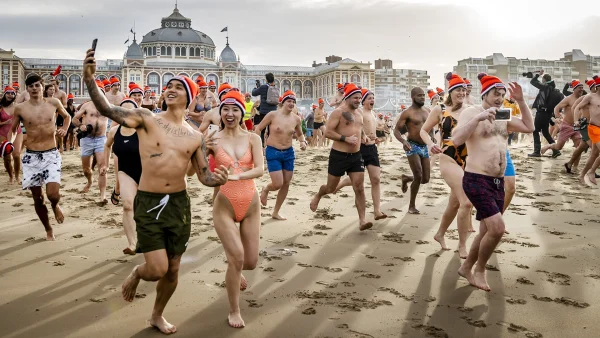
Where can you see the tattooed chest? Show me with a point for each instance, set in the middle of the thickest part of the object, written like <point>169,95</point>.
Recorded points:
<point>176,131</point>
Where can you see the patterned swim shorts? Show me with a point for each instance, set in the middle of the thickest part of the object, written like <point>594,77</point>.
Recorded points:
<point>41,167</point>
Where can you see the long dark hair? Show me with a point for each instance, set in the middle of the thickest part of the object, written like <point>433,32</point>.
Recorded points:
<point>4,101</point>
<point>46,87</point>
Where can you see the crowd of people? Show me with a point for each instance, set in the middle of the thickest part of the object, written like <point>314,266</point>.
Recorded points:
<point>225,138</point>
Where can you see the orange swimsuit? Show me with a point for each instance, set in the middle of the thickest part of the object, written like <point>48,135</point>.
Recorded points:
<point>239,193</point>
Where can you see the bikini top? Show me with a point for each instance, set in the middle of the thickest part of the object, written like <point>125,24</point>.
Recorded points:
<point>245,162</point>
<point>447,124</point>
<point>200,108</point>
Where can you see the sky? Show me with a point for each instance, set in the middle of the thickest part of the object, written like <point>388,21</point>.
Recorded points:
<point>431,35</point>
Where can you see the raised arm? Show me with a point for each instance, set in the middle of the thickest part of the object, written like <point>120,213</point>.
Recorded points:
<point>132,118</point>
<point>525,124</point>
<point>200,163</point>
<point>207,119</point>
<point>536,83</point>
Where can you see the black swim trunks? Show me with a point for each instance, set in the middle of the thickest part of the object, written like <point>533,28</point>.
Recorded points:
<point>369,155</point>
<point>318,125</point>
<point>486,193</point>
<point>341,162</point>
<point>163,221</point>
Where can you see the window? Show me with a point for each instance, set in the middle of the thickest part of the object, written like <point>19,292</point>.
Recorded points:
<point>163,50</point>
<point>192,52</point>
<point>5,76</point>
<point>177,51</point>
<point>153,50</point>
<point>197,51</point>
<point>137,78</point>
<point>183,51</point>
<point>153,79</point>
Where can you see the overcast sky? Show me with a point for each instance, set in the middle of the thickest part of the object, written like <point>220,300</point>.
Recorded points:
<point>431,35</point>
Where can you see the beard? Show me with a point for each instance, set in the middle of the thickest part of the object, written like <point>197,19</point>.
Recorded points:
<point>418,104</point>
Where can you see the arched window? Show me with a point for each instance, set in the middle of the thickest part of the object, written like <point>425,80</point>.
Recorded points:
<point>183,51</point>
<point>177,51</point>
<point>198,51</point>
<point>163,50</point>
<point>169,51</point>
<point>192,52</point>
<point>145,51</point>
<point>153,50</point>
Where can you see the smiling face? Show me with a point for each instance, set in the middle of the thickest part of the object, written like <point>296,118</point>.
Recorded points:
<point>578,91</point>
<point>354,100</point>
<point>458,95</point>
<point>289,104</point>
<point>203,91</point>
<point>176,95</point>
<point>231,116</point>
<point>137,97</point>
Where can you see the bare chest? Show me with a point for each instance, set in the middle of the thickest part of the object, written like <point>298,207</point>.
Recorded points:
<point>487,129</point>
<point>283,125</point>
<point>350,122</point>
<point>43,115</point>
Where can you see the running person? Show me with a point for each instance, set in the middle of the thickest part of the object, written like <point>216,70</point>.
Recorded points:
<point>487,141</point>
<point>42,161</point>
<point>237,201</point>
<point>93,125</point>
<point>345,128</point>
<point>369,153</point>
<point>279,153</point>
<point>319,124</point>
<point>452,162</point>
<point>162,208</point>
<point>587,143</point>
<point>7,111</point>
<point>200,106</point>
<point>592,103</point>
<point>416,149</point>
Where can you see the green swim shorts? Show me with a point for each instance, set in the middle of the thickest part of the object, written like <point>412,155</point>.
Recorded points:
<point>163,221</point>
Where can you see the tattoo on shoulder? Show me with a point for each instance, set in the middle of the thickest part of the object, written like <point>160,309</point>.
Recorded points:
<point>348,116</point>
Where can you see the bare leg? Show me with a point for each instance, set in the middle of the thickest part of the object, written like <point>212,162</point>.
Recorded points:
<point>86,163</point>
<point>589,163</point>
<point>405,181</point>
<point>489,242</point>
<point>102,168</point>
<point>116,168</point>
<point>453,176</point>
<point>346,182</point>
<point>576,156</point>
<point>276,184</point>
<point>155,268</point>
<point>42,211</point>
<point>282,194</point>
<point>16,155</point>
<point>358,181</point>
<point>329,188</point>
<point>447,218</point>
<point>164,290</point>
<point>415,166</point>
<point>9,168</point>
<point>374,176</point>
<point>510,183</point>
<point>128,192</point>
<point>467,266</point>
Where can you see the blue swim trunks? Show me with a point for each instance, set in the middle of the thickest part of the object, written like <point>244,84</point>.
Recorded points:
<point>280,159</point>
<point>309,132</point>
<point>510,168</point>
<point>417,149</point>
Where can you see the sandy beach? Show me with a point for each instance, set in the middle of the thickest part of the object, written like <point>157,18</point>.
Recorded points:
<point>318,276</point>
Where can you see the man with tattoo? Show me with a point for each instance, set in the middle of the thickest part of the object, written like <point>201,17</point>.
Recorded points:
<point>280,155</point>
<point>483,181</point>
<point>89,121</point>
<point>345,128</point>
<point>162,208</point>
<point>42,161</point>
<point>416,149</point>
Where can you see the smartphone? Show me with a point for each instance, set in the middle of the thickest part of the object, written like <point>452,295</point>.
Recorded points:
<point>504,114</point>
<point>94,43</point>
<point>213,127</point>
<point>257,83</point>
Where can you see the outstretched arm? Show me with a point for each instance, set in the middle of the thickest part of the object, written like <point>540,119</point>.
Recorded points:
<point>131,118</point>
<point>525,124</point>
<point>468,121</point>
<point>559,107</point>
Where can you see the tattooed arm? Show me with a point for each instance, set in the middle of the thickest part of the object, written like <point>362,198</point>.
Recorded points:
<point>131,118</point>
<point>200,163</point>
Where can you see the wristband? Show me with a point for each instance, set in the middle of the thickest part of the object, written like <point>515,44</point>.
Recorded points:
<point>342,138</point>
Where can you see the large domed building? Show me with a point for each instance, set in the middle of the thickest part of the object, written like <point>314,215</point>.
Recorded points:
<point>176,48</point>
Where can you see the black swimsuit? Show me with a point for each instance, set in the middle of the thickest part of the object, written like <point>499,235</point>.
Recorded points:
<point>127,149</point>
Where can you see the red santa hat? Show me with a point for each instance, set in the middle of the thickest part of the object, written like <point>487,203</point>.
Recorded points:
<point>288,95</point>
<point>591,83</point>
<point>190,87</point>
<point>440,91</point>
<point>321,100</point>
<point>224,88</point>
<point>106,83</point>
<point>9,89</point>
<point>128,100</point>
<point>135,88</point>
<point>431,93</point>
<point>70,97</point>
<point>16,85</point>
<point>212,84</point>
<point>202,84</point>
<point>114,80</point>
<point>455,81</point>
<point>233,97</point>
<point>365,93</point>
<point>100,85</point>
<point>350,89</point>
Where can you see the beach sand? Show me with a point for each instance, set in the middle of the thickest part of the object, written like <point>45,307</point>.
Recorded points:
<point>318,276</point>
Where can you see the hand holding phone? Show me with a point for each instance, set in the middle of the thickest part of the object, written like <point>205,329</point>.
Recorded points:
<point>213,128</point>
<point>504,114</point>
<point>94,43</point>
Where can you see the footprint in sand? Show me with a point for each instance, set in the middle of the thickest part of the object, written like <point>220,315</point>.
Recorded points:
<point>521,266</point>
<point>97,300</point>
<point>253,303</point>
<point>309,311</point>
<point>525,281</point>
<point>473,322</point>
<point>516,301</point>
<point>370,275</point>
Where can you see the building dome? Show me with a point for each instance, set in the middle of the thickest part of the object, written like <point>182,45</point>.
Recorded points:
<point>228,55</point>
<point>134,51</point>
<point>176,28</point>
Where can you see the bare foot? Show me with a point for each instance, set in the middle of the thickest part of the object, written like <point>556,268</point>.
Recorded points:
<point>462,252</point>
<point>162,325</point>
<point>582,179</point>
<point>592,177</point>
<point>366,226</point>
<point>263,197</point>
<point>130,285</point>
<point>235,320</point>
<point>60,218</point>
<point>480,282</point>
<point>544,149</point>
<point>278,217</point>
<point>314,203</point>
<point>87,186</point>
<point>380,215</point>
<point>50,235</point>
<point>413,211</point>
<point>466,274</point>
<point>440,239</point>
<point>130,250</point>
<point>103,202</point>
<point>243,284</point>
<point>405,181</point>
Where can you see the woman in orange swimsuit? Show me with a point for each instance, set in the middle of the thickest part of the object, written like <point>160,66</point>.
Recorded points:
<point>237,201</point>
<point>452,161</point>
